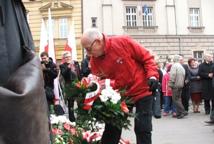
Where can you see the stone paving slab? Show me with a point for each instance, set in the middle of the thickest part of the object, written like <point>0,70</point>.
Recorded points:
<point>168,130</point>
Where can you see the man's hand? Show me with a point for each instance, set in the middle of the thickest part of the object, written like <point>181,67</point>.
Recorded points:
<point>153,84</point>
<point>43,67</point>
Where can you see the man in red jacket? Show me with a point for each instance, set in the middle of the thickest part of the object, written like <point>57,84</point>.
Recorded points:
<point>122,59</point>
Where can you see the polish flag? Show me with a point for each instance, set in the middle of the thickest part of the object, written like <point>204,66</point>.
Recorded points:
<point>51,49</point>
<point>51,53</point>
<point>71,42</point>
<point>43,38</point>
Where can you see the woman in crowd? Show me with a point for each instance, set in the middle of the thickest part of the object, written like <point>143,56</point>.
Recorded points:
<point>167,94</point>
<point>195,84</point>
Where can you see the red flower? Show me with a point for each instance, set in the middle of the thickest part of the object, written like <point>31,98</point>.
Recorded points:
<point>124,107</point>
<point>57,131</point>
<point>78,85</point>
<point>85,82</point>
<point>86,135</point>
<point>67,126</point>
<point>72,131</point>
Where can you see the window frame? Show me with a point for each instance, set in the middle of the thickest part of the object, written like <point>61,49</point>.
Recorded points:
<point>194,18</point>
<point>196,55</point>
<point>147,22</point>
<point>63,27</point>
<point>130,22</point>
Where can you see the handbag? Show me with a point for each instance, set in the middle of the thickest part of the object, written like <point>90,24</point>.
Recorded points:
<point>23,106</point>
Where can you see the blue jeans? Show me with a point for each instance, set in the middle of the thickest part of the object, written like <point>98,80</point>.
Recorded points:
<point>168,104</point>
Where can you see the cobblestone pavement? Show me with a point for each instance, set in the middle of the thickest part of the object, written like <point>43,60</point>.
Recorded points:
<point>189,130</point>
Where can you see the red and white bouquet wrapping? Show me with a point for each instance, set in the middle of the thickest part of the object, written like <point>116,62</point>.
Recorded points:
<point>100,103</point>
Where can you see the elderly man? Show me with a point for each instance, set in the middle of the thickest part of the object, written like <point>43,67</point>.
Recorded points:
<point>70,71</point>
<point>122,59</point>
<point>206,73</point>
<point>176,82</point>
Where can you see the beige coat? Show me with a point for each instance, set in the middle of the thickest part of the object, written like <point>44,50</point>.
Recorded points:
<point>177,76</point>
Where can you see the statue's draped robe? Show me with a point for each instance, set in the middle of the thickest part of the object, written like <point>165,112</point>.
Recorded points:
<point>23,108</point>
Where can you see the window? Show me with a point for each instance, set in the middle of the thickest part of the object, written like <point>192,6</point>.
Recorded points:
<point>63,28</point>
<point>194,17</point>
<point>198,55</point>
<point>94,21</point>
<point>131,16</point>
<point>147,16</point>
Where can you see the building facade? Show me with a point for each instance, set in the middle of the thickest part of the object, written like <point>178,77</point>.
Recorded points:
<point>64,13</point>
<point>167,27</point>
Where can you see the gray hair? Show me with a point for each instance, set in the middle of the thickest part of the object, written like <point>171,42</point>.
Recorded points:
<point>176,58</point>
<point>92,33</point>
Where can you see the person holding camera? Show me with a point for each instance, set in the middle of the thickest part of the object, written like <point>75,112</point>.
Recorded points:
<point>49,73</point>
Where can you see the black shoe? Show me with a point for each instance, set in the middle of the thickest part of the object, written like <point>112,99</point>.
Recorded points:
<point>157,117</point>
<point>185,113</point>
<point>207,112</point>
<point>180,116</point>
<point>210,122</point>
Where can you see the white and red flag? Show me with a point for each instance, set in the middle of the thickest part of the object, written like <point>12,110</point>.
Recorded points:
<point>43,38</point>
<point>51,53</point>
<point>71,42</point>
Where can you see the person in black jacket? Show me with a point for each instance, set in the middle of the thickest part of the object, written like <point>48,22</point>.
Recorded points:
<point>70,71</point>
<point>185,95</point>
<point>85,70</point>
<point>206,74</point>
<point>49,73</point>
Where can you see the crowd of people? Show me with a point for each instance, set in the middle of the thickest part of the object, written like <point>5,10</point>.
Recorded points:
<point>151,86</point>
<point>184,83</point>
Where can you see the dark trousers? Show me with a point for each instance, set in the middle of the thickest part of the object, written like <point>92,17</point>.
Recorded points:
<point>176,98</point>
<point>212,115</point>
<point>71,109</point>
<point>185,96</point>
<point>143,124</point>
<point>207,106</point>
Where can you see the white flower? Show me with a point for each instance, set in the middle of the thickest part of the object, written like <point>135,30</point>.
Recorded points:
<point>109,94</point>
<point>107,83</point>
<point>106,92</point>
<point>103,98</point>
<point>60,119</point>
<point>115,98</point>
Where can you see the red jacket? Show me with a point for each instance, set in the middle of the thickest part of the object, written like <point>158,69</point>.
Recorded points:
<point>167,91</point>
<point>128,63</point>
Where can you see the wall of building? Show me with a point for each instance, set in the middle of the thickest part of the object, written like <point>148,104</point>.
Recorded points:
<point>167,45</point>
<point>35,16</point>
<point>171,34</point>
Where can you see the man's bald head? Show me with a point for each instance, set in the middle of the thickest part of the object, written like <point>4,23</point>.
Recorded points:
<point>93,42</point>
<point>90,35</point>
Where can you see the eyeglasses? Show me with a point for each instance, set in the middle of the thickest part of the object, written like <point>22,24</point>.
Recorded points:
<point>89,49</point>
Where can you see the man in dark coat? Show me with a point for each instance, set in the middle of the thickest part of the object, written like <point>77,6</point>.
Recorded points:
<point>206,74</point>
<point>185,95</point>
<point>70,71</point>
<point>85,70</point>
<point>23,109</point>
<point>49,74</point>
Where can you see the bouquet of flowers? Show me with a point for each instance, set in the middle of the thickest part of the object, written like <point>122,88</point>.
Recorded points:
<point>65,132</point>
<point>101,104</point>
